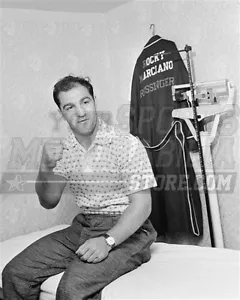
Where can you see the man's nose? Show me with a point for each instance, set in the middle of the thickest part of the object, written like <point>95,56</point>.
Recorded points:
<point>80,111</point>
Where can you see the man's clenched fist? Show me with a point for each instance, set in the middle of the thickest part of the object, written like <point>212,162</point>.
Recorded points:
<point>52,152</point>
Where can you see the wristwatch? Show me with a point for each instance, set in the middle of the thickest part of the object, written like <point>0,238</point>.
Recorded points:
<point>109,240</point>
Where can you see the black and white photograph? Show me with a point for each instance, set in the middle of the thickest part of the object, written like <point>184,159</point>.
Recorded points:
<point>119,164</point>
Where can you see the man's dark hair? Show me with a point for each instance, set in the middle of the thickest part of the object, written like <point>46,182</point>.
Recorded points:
<point>67,83</point>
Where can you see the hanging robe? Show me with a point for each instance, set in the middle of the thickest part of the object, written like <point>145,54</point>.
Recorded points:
<point>176,205</point>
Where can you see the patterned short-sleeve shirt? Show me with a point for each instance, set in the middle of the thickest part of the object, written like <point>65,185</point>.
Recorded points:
<point>101,178</point>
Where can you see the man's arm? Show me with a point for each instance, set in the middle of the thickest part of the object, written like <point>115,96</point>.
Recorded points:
<point>95,249</point>
<point>137,173</point>
<point>49,188</point>
<point>133,217</point>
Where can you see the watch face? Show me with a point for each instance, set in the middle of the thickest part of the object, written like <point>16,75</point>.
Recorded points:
<point>110,241</point>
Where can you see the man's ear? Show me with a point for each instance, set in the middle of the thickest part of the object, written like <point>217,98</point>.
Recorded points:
<point>61,113</point>
<point>95,101</point>
<point>57,117</point>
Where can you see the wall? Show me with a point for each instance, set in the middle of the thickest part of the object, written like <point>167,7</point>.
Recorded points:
<point>212,29</point>
<point>38,48</point>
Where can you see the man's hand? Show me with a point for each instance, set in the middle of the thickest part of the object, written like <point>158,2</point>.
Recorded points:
<point>52,152</point>
<point>93,250</point>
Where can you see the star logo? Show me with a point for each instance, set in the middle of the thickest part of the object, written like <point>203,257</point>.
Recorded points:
<point>16,184</point>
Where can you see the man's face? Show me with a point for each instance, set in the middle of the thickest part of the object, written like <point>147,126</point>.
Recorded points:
<point>79,110</point>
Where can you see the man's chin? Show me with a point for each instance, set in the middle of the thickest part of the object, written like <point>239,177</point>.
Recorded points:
<point>84,130</point>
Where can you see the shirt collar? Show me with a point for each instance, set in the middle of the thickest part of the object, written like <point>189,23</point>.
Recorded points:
<point>104,133</point>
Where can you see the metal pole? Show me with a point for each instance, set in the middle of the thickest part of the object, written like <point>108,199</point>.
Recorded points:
<point>196,123</point>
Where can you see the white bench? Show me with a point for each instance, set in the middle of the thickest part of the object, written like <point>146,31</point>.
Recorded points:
<point>174,271</point>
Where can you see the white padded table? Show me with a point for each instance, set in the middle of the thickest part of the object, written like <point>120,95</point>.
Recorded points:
<point>174,271</point>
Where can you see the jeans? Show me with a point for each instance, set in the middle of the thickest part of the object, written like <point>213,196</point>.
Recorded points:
<point>55,253</point>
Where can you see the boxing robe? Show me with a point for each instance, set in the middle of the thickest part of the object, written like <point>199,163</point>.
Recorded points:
<point>176,205</point>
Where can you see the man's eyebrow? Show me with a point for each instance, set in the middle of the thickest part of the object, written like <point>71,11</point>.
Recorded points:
<point>67,104</point>
<point>86,97</point>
